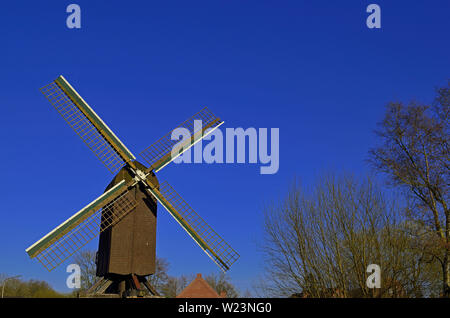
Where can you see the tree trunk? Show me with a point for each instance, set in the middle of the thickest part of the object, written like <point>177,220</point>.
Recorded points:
<point>446,272</point>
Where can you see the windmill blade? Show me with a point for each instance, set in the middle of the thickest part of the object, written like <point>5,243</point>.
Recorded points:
<point>87,124</point>
<point>83,226</point>
<point>211,243</point>
<point>160,154</point>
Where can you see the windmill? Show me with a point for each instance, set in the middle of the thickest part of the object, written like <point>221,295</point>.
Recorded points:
<point>124,216</point>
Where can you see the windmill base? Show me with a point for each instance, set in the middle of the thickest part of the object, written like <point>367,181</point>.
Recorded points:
<point>121,286</point>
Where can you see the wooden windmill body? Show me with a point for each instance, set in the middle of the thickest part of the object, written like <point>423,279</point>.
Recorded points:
<point>129,247</point>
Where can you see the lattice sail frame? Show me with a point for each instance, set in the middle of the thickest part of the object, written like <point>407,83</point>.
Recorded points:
<point>211,242</point>
<point>159,154</point>
<point>87,124</point>
<point>77,231</point>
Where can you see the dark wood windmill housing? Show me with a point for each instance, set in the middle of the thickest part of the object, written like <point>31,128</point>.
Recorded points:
<point>124,216</point>
<point>127,251</point>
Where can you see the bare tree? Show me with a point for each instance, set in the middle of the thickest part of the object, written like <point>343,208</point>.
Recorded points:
<point>160,278</point>
<point>414,154</point>
<point>86,261</point>
<point>174,286</point>
<point>319,244</point>
<point>221,284</point>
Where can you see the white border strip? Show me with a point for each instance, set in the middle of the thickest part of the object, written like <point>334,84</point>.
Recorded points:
<point>192,144</point>
<point>207,253</point>
<point>98,117</point>
<point>76,214</point>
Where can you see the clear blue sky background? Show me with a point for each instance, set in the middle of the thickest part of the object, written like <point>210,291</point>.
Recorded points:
<point>311,68</point>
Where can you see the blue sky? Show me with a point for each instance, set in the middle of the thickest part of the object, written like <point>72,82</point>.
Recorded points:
<point>310,68</point>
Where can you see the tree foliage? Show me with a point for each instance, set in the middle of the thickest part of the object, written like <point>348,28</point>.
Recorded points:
<point>221,284</point>
<point>15,287</point>
<point>320,243</point>
<point>160,278</point>
<point>175,285</point>
<point>414,155</point>
<point>86,260</point>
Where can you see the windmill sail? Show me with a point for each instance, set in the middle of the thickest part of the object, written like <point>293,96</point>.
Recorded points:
<point>116,203</point>
<point>87,124</point>
<point>158,155</point>
<point>211,243</point>
<point>83,226</point>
